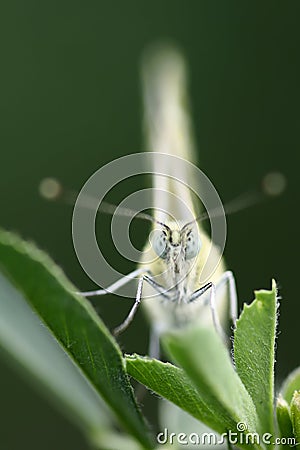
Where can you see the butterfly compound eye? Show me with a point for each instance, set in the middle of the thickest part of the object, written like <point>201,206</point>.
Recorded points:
<point>193,245</point>
<point>159,243</point>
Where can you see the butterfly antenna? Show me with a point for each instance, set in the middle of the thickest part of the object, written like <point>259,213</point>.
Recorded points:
<point>51,189</point>
<point>273,184</point>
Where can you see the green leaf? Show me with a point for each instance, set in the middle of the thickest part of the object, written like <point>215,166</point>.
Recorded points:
<point>206,361</point>
<point>75,325</point>
<point>23,336</point>
<point>290,385</point>
<point>284,418</point>
<point>254,344</point>
<point>171,383</point>
<point>295,415</point>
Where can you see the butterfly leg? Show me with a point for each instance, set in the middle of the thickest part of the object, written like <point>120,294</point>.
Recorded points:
<point>212,301</point>
<point>160,289</point>
<point>228,279</point>
<point>115,286</point>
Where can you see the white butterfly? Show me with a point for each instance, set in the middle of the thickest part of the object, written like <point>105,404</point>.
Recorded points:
<point>179,249</point>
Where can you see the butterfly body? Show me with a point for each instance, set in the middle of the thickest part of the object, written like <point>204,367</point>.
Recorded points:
<point>178,270</point>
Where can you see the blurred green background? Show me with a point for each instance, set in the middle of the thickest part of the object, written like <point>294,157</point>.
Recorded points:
<point>71,102</point>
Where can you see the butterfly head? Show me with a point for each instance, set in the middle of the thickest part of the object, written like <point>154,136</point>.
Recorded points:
<point>173,242</point>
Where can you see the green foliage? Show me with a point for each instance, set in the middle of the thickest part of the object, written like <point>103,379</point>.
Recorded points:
<point>234,398</point>
<point>290,385</point>
<point>254,345</point>
<point>173,384</point>
<point>284,418</point>
<point>77,361</point>
<point>75,325</point>
<point>295,415</point>
<point>288,408</point>
<point>206,360</point>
